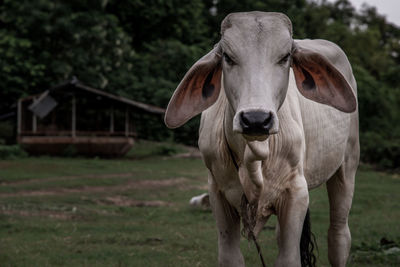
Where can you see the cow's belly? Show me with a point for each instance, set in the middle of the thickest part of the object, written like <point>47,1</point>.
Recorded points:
<point>326,133</point>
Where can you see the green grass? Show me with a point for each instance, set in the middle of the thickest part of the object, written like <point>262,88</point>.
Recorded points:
<point>93,212</point>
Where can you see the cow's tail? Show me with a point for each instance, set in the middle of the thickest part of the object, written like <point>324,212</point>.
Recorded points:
<point>307,243</point>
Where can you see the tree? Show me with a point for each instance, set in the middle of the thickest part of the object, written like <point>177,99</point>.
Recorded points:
<point>46,42</point>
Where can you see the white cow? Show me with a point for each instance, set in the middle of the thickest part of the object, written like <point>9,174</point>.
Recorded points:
<point>279,118</point>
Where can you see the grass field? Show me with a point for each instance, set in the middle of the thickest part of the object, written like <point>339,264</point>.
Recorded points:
<point>135,212</point>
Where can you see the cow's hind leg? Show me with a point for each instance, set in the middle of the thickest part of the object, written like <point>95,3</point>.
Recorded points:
<point>228,224</point>
<point>340,191</point>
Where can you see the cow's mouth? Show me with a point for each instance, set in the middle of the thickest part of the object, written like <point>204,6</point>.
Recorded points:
<point>259,138</point>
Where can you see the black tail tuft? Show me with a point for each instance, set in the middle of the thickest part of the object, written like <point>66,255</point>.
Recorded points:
<point>307,244</point>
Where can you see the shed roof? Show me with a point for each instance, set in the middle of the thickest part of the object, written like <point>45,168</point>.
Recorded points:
<point>74,83</point>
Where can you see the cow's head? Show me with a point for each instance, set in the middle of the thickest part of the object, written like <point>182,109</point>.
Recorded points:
<point>254,57</point>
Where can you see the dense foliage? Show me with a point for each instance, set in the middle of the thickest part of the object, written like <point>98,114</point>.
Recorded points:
<point>141,49</point>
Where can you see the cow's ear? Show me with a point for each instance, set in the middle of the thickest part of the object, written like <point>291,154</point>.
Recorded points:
<point>319,80</point>
<point>198,90</point>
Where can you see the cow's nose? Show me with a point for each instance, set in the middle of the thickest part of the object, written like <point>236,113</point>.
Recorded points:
<point>256,122</point>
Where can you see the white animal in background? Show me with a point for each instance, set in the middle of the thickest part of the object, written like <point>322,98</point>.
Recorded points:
<point>202,200</point>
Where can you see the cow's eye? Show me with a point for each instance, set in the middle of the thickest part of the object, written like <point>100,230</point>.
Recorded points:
<point>228,60</point>
<point>285,59</point>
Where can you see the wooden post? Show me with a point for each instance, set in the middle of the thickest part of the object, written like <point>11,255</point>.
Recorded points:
<point>19,118</point>
<point>126,121</point>
<point>134,129</point>
<point>112,120</point>
<point>34,120</point>
<point>73,128</point>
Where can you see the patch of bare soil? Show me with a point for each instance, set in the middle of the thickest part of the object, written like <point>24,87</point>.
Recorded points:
<point>5,164</point>
<point>122,201</point>
<point>141,184</point>
<point>86,176</point>
<point>144,184</point>
<point>50,214</point>
<point>192,152</point>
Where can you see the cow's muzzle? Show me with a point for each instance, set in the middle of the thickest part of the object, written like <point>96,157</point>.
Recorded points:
<point>256,123</point>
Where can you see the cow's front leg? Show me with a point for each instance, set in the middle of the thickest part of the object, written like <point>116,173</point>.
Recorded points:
<point>228,224</point>
<point>291,211</point>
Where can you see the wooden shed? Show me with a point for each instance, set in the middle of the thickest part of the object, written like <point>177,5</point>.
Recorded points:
<point>77,119</point>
